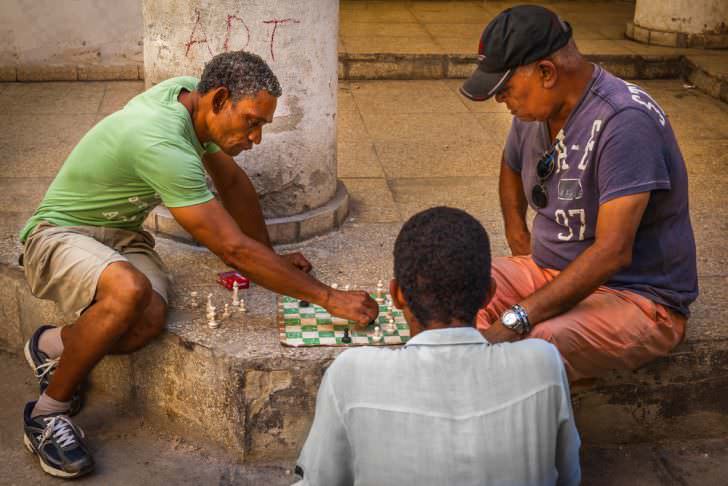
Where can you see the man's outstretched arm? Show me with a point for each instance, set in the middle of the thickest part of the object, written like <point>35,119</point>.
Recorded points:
<point>210,224</point>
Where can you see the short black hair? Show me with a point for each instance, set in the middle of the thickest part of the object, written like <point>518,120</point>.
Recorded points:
<point>242,73</point>
<point>442,265</point>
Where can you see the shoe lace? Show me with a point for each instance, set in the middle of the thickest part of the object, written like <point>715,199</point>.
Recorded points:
<point>46,368</point>
<point>61,429</point>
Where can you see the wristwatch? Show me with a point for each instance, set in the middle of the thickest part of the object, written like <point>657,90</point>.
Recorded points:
<point>516,319</point>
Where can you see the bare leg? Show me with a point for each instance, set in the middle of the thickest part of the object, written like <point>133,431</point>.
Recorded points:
<point>145,329</point>
<point>122,295</point>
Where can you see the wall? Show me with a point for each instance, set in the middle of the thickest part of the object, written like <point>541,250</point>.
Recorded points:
<point>71,32</point>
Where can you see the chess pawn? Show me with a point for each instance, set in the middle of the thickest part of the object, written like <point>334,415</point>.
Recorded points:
<point>211,322</point>
<point>377,334</point>
<point>334,286</point>
<point>226,312</point>
<point>241,307</point>
<point>380,288</point>
<point>193,300</point>
<point>236,298</point>
<point>347,287</point>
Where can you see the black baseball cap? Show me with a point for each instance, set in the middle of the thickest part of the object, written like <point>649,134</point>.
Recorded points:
<point>515,37</point>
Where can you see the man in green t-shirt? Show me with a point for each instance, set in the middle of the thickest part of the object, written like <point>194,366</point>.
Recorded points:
<point>85,249</point>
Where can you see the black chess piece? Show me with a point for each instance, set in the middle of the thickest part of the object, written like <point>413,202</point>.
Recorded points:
<point>304,303</point>
<point>346,339</point>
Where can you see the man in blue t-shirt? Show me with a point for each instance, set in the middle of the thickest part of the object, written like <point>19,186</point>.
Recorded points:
<point>608,270</point>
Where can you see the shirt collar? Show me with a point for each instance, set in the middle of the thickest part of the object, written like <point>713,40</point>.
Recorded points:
<point>447,336</point>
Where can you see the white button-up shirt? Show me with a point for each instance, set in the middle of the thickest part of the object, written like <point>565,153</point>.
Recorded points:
<point>446,409</point>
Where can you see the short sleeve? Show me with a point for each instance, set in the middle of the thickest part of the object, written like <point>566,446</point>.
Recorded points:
<point>512,150</point>
<point>175,174</point>
<point>631,158</point>
<point>211,147</point>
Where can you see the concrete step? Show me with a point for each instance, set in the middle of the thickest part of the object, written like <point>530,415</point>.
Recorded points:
<point>238,387</point>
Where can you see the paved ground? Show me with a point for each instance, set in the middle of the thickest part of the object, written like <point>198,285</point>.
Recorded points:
<point>454,27</point>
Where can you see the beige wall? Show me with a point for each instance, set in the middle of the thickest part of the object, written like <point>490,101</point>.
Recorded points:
<point>70,31</point>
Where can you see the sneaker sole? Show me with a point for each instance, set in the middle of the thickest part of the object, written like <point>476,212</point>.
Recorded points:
<point>28,357</point>
<point>58,473</point>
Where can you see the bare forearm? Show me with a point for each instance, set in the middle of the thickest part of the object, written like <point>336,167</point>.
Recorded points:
<point>577,281</point>
<point>513,207</point>
<point>241,200</point>
<point>266,268</point>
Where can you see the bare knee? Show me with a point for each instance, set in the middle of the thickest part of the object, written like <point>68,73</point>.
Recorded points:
<point>124,293</point>
<point>155,316</point>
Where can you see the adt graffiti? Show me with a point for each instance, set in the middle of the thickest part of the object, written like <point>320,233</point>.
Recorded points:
<point>198,36</point>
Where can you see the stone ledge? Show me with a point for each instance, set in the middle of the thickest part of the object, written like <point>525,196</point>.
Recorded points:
<point>239,388</point>
<point>675,39</point>
<point>702,73</point>
<point>287,229</point>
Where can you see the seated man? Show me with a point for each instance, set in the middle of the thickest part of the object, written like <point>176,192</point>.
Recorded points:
<point>609,270</point>
<point>448,407</point>
<point>85,248</point>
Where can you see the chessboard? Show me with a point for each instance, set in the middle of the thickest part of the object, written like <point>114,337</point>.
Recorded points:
<point>311,325</point>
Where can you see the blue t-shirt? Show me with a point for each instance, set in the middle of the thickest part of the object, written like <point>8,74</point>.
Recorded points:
<point>616,142</point>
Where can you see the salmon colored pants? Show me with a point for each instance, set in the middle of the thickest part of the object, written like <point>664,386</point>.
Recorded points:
<point>607,330</point>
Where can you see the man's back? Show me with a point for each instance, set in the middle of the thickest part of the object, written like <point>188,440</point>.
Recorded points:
<point>447,409</point>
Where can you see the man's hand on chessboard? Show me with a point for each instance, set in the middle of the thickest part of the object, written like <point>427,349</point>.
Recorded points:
<point>355,306</point>
<point>298,260</point>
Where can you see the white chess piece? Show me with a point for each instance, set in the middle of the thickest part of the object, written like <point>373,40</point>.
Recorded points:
<point>334,286</point>
<point>211,322</point>
<point>209,303</point>
<point>242,306</point>
<point>347,287</point>
<point>380,288</point>
<point>377,334</point>
<point>226,312</point>
<point>236,298</point>
<point>193,299</point>
<point>390,327</point>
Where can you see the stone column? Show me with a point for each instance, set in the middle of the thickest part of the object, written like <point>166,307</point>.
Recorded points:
<point>680,23</point>
<point>294,168</point>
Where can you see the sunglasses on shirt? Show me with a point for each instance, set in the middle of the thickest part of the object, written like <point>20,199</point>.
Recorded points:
<point>544,168</point>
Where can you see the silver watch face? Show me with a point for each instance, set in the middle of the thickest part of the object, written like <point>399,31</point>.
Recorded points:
<point>509,319</point>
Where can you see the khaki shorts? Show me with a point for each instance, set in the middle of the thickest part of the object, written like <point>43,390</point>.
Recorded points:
<point>64,263</point>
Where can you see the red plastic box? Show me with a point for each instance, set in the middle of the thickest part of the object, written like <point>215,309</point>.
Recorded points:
<point>227,279</point>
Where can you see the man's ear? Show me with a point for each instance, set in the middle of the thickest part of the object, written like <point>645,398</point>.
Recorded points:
<point>221,96</point>
<point>396,293</point>
<point>548,73</point>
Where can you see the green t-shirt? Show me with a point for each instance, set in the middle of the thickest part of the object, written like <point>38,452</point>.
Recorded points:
<point>128,163</point>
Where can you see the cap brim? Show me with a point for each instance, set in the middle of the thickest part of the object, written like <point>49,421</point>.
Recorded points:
<point>481,85</point>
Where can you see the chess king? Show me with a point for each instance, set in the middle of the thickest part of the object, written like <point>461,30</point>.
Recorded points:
<point>609,270</point>
<point>85,249</point>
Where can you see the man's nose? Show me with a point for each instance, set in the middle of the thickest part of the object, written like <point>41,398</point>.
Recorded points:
<point>256,135</point>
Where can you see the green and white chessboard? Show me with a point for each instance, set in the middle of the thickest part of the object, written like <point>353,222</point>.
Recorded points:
<point>314,326</point>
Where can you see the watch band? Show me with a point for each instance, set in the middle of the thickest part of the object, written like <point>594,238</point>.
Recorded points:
<point>525,325</point>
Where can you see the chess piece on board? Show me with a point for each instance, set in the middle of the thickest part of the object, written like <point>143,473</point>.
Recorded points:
<point>346,339</point>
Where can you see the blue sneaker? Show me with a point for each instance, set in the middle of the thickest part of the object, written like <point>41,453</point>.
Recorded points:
<point>43,368</point>
<point>58,443</point>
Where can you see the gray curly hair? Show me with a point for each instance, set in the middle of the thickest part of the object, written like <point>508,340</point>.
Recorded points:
<point>242,73</point>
